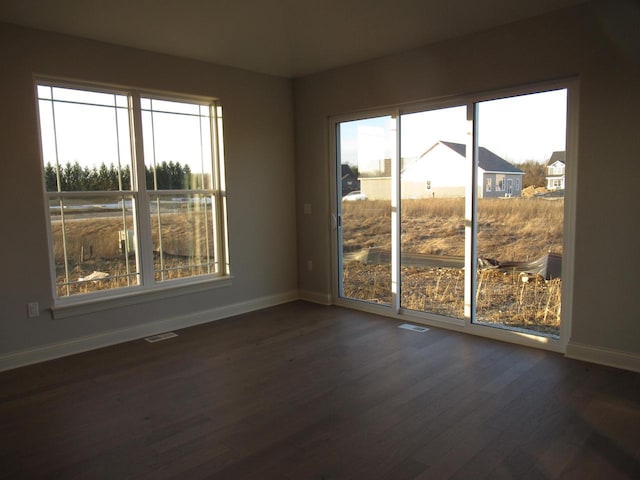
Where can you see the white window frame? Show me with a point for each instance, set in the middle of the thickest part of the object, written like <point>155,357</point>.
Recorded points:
<point>148,288</point>
<point>467,325</point>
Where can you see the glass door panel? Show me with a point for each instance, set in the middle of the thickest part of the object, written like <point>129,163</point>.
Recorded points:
<point>434,174</point>
<point>433,228</point>
<point>520,211</point>
<point>366,150</point>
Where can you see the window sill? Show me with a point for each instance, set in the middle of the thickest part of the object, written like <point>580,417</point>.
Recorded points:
<point>142,295</point>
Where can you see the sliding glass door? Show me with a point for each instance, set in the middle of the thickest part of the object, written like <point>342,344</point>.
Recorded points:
<point>456,213</point>
<point>433,184</point>
<point>520,217</point>
<point>366,152</point>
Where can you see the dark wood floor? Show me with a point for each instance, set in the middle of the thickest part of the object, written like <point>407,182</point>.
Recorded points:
<point>302,391</point>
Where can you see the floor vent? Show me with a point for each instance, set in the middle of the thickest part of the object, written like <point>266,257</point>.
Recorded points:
<point>160,337</point>
<point>413,328</point>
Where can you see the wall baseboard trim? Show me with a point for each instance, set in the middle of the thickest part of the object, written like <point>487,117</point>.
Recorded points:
<point>315,297</point>
<point>105,339</point>
<point>603,356</point>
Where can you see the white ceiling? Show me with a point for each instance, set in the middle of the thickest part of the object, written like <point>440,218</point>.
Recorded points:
<point>288,38</point>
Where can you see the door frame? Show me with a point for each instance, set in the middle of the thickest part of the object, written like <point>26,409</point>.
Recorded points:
<point>466,325</point>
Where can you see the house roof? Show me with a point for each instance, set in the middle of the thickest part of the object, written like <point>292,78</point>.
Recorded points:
<point>488,161</point>
<point>346,170</point>
<point>557,157</point>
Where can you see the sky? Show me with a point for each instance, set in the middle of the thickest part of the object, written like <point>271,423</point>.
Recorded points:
<point>93,128</point>
<point>527,127</point>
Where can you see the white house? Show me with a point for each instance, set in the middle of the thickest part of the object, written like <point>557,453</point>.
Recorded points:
<point>555,171</point>
<point>442,171</point>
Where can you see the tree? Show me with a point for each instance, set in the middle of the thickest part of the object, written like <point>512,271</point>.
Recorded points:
<point>162,176</point>
<point>72,177</point>
<point>150,174</point>
<point>126,178</point>
<point>50,178</point>
<point>103,178</point>
<point>188,180</point>
<point>535,173</point>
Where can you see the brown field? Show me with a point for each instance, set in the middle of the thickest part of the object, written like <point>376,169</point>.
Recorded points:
<point>509,230</point>
<point>93,246</point>
<point>516,229</point>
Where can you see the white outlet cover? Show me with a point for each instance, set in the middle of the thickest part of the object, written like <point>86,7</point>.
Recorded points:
<point>33,309</point>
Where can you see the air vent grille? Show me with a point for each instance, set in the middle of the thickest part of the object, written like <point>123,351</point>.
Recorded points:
<point>160,337</point>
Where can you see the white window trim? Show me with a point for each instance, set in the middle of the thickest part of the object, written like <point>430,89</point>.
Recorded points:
<point>571,168</point>
<point>148,289</point>
<point>137,295</point>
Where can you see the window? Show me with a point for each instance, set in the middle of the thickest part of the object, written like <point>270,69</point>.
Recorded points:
<point>556,169</point>
<point>135,189</point>
<point>496,267</point>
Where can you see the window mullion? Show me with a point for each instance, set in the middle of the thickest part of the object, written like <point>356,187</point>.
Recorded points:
<point>396,205</point>
<point>142,210</point>
<point>470,258</point>
<point>60,201</point>
<point>221,251</point>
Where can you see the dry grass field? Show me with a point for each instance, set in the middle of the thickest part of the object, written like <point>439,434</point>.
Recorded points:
<point>515,229</point>
<point>93,245</point>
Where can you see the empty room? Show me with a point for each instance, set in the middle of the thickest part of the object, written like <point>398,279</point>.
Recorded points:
<point>320,239</point>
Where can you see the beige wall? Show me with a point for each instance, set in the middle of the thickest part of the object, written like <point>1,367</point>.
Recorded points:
<point>258,127</point>
<point>599,43</point>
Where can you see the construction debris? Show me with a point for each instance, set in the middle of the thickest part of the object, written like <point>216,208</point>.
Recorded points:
<point>548,266</point>
<point>94,276</point>
<point>533,191</point>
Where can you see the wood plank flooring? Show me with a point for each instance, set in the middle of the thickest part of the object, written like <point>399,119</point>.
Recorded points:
<point>302,391</point>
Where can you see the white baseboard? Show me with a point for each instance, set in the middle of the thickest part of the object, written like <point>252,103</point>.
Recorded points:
<point>83,344</point>
<point>315,297</point>
<point>604,356</point>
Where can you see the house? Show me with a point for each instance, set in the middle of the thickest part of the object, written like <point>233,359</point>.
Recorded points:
<point>348,180</point>
<point>281,71</point>
<point>555,171</point>
<point>441,172</point>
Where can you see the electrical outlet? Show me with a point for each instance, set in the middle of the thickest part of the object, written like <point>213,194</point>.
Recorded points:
<point>33,309</point>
